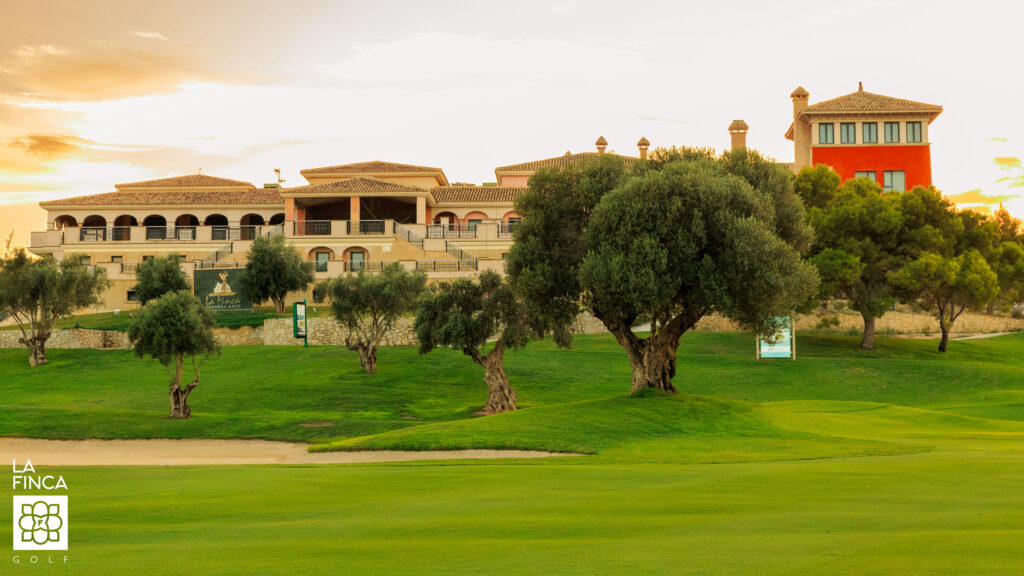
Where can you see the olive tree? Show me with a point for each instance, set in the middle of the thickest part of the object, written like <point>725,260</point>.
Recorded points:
<point>368,305</point>
<point>158,276</point>
<point>672,246</point>
<point>174,329</point>
<point>39,292</point>
<point>275,269</point>
<point>466,314</point>
<point>666,241</point>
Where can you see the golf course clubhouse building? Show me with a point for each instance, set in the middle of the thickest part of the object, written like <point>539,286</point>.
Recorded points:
<point>348,218</point>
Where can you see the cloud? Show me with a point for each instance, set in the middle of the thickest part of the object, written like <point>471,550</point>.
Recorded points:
<point>1007,162</point>
<point>977,197</point>
<point>150,35</point>
<point>49,146</point>
<point>997,139</point>
<point>103,71</point>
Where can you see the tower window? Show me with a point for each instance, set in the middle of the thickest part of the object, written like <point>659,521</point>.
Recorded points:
<point>826,133</point>
<point>895,181</point>
<point>870,133</point>
<point>848,133</point>
<point>869,174</point>
<point>892,132</point>
<point>913,131</point>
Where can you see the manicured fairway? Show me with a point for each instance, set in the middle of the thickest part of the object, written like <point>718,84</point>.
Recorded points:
<point>897,461</point>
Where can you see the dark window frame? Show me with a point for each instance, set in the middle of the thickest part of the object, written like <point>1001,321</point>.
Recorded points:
<point>915,135</point>
<point>843,127</point>
<point>896,139</point>
<point>826,129</point>
<point>873,138</point>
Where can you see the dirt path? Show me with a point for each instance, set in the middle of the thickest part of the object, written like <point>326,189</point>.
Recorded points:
<point>215,452</point>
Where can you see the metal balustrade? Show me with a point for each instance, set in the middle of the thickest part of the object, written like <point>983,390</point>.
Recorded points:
<point>506,229</point>
<point>451,231</point>
<point>409,236</point>
<point>365,227</point>
<point>366,265</point>
<point>312,227</point>
<point>446,265</point>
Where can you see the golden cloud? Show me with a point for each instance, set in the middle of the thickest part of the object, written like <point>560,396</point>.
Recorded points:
<point>50,146</point>
<point>104,71</point>
<point>1007,162</point>
<point>976,197</point>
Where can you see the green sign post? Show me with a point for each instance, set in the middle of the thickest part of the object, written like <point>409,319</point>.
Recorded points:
<point>779,344</point>
<point>299,322</point>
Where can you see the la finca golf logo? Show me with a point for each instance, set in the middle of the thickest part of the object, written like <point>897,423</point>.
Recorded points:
<point>41,523</point>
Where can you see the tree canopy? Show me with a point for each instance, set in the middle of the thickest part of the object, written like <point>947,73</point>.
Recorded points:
<point>465,315</point>
<point>173,329</point>
<point>667,242</point>
<point>368,305</point>
<point>158,276</point>
<point>275,269</point>
<point>38,292</point>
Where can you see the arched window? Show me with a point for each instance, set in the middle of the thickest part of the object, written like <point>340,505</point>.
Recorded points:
<point>276,219</point>
<point>219,222</point>
<point>473,219</point>
<point>355,259</point>
<point>321,256</point>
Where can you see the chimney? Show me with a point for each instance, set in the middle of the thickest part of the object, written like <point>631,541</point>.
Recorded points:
<point>799,97</point>
<point>801,130</point>
<point>601,145</point>
<point>738,131</point>
<point>643,145</point>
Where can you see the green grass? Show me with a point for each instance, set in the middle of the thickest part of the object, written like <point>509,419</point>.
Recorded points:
<point>896,461</point>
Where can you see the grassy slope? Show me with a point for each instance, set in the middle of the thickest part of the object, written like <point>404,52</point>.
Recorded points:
<point>753,469</point>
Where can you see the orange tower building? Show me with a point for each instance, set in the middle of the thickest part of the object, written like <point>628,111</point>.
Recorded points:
<point>865,135</point>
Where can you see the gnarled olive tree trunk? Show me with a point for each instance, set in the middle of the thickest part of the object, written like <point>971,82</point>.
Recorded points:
<point>501,396</point>
<point>652,359</point>
<point>36,349</point>
<point>367,353</point>
<point>179,395</point>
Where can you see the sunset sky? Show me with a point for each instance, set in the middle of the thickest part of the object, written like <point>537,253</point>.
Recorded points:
<point>102,92</point>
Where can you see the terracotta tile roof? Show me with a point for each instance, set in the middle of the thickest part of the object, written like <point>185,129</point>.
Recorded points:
<point>350,186</point>
<point>253,196</point>
<point>187,181</point>
<point>462,194</point>
<point>372,167</point>
<point>566,159</point>
<point>861,102</point>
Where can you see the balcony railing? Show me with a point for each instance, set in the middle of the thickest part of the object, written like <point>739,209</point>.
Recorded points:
<point>312,227</point>
<point>321,265</point>
<point>366,265</point>
<point>365,227</point>
<point>128,267</point>
<point>235,232</point>
<point>102,234</point>
<point>446,265</point>
<point>506,229</point>
<point>451,231</point>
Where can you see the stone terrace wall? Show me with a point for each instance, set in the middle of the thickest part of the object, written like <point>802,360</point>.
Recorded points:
<point>75,338</point>
<point>327,331</point>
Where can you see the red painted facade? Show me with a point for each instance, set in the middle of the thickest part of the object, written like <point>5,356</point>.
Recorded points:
<point>915,161</point>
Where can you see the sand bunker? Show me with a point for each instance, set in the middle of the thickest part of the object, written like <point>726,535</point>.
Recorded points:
<point>216,452</point>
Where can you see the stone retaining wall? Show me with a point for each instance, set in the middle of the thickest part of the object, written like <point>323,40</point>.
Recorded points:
<point>74,338</point>
<point>327,331</point>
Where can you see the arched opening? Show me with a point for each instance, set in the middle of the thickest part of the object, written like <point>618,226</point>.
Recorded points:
<point>508,224</point>
<point>445,224</point>
<point>94,228</point>
<point>185,227</point>
<point>276,219</point>
<point>156,227</point>
<point>250,224</point>
<point>122,229</point>
<point>321,255</point>
<point>354,258</point>
<point>474,219</point>
<point>219,222</point>
<point>64,221</point>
